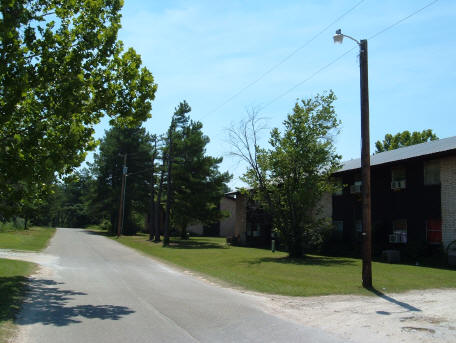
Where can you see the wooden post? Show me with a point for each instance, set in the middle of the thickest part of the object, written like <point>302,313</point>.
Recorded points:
<point>152,197</point>
<point>122,197</point>
<point>158,204</point>
<point>365,167</point>
<point>168,186</point>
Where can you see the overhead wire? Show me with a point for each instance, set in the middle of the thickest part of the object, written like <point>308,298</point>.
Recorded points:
<point>308,78</point>
<point>283,60</point>
<point>401,20</point>
<point>345,53</point>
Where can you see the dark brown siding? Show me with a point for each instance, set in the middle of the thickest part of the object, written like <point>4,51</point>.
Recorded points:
<point>416,203</point>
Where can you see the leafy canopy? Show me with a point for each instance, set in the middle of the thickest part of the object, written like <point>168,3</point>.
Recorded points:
<point>295,172</point>
<point>61,70</point>
<point>405,138</point>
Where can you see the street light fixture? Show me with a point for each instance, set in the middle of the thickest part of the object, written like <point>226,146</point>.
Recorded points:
<point>339,37</point>
<point>365,158</point>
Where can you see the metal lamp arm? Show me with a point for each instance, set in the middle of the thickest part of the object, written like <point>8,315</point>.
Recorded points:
<point>353,39</point>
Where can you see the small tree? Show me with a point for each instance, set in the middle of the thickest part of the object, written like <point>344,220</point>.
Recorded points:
<point>296,171</point>
<point>405,138</point>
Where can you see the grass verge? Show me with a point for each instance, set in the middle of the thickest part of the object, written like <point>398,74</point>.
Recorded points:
<point>13,274</point>
<point>34,239</point>
<point>263,271</point>
<point>13,280</point>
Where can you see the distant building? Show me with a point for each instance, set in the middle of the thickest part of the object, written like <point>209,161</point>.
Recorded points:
<point>225,227</point>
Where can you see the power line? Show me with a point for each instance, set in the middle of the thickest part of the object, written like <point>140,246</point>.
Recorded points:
<point>401,20</point>
<point>282,61</point>
<point>345,53</point>
<point>308,78</point>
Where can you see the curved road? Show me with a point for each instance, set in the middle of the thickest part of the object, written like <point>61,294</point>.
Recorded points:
<point>97,290</point>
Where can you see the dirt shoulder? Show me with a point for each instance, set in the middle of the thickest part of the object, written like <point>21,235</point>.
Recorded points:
<point>416,316</point>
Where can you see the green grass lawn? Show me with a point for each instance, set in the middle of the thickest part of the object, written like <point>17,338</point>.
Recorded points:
<point>13,274</point>
<point>35,238</point>
<point>264,271</point>
<point>13,280</point>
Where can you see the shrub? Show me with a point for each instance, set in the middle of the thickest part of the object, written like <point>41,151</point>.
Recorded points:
<point>105,225</point>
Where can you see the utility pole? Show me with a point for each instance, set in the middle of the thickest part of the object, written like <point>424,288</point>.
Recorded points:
<point>365,158</point>
<point>122,197</point>
<point>168,186</point>
<point>152,196</point>
<point>158,204</point>
<point>365,166</point>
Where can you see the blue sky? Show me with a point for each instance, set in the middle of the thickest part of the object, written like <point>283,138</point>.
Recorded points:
<point>206,51</point>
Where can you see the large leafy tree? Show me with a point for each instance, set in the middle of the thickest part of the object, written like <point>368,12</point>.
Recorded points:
<point>68,205</point>
<point>404,138</point>
<point>107,169</point>
<point>61,70</point>
<point>292,175</point>
<point>197,183</point>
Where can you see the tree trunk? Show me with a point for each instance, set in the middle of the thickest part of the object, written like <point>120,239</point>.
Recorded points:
<point>184,232</point>
<point>150,221</point>
<point>295,249</point>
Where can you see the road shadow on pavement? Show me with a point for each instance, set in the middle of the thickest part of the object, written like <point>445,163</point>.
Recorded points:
<point>99,233</point>
<point>47,303</point>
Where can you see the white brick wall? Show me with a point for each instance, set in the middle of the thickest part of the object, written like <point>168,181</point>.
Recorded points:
<point>448,198</point>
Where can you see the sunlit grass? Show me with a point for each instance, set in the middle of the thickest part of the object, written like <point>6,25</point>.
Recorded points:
<point>34,239</point>
<point>264,271</point>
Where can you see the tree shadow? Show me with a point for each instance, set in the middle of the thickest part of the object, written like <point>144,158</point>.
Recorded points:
<point>11,292</point>
<point>192,244</point>
<point>402,304</point>
<point>99,233</point>
<point>307,260</point>
<point>47,303</point>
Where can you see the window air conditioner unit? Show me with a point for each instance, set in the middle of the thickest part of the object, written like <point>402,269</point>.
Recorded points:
<point>398,184</point>
<point>393,238</point>
<point>355,189</point>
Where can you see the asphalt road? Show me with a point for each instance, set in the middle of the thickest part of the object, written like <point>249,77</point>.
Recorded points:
<point>100,291</point>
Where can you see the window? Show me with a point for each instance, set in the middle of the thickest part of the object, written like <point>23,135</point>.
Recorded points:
<point>254,230</point>
<point>398,174</point>
<point>398,178</point>
<point>339,186</point>
<point>356,187</point>
<point>432,172</point>
<point>359,225</point>
<point>338,228</point>
<point>399,234</point>
<point>434,231</point>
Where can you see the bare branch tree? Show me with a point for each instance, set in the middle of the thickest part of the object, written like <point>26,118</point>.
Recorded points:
<point>244,138</point>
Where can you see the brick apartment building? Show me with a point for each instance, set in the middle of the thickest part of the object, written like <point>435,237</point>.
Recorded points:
<point>413,202</point>
<point>413,192</point>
